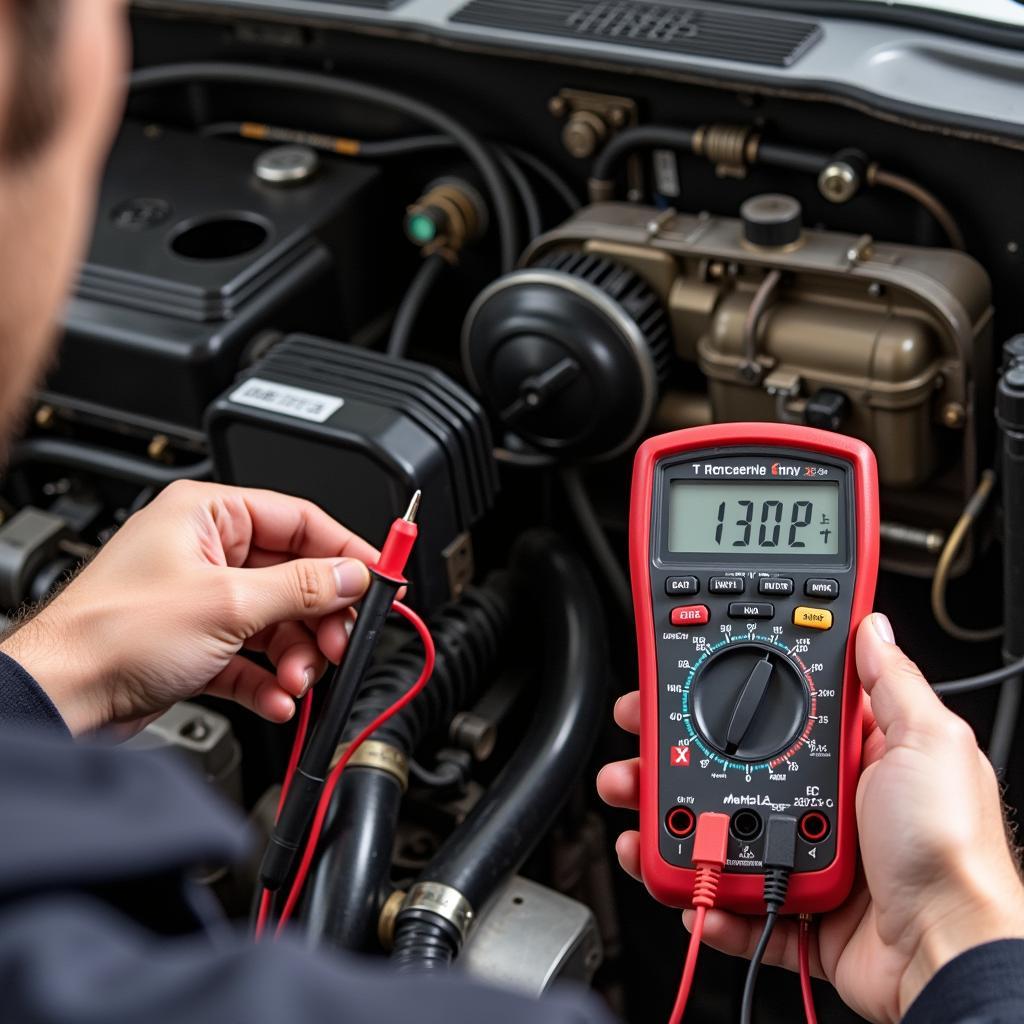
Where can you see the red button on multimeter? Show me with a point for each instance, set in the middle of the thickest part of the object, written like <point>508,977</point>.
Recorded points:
<point>769,708</point>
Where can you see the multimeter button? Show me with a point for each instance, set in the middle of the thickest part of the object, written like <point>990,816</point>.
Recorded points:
<point>742,610</point>
<point>812,618</point>
<point>681,585</point>
<point>726,584</point>
<point>825,589</point>
<point>775,585</point>
<point>690,615</point>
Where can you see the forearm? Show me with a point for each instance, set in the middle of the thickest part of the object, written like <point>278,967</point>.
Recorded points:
<point>72,687</point>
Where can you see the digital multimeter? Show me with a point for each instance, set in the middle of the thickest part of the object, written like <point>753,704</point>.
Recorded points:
<point>753,555</point>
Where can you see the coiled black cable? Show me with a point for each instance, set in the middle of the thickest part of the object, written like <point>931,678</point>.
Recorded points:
<point>283,78</point>
<point>513,816</point>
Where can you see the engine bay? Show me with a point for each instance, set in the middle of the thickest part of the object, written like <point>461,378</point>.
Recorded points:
<point>483,251</point>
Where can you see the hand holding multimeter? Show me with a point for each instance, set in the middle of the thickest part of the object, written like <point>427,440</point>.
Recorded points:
<point>937,876</point>
<point>754,552</point>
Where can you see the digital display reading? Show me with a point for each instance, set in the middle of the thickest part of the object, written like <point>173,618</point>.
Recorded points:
<point>785,519</point>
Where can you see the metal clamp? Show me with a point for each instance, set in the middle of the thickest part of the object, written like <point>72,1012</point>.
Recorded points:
<point>442,900</point>
<point>379,755</point>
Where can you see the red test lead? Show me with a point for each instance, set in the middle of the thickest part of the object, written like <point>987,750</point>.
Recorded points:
<point>710,848</point>
<point>307,782</point>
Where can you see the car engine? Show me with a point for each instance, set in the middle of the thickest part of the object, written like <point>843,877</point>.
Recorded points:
<point>483,249</point>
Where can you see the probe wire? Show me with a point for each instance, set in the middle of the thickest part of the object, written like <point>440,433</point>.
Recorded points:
<point>804,957</point>
<point>323,805</point>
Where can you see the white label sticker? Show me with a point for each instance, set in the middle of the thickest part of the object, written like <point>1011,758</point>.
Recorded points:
<point>666,173</point>
<point>286,400</point>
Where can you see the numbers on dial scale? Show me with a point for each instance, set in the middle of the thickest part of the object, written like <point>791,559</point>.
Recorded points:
<point>711,758</point>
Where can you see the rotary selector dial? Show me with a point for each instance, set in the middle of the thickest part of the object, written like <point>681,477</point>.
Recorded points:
<point>749,702</point>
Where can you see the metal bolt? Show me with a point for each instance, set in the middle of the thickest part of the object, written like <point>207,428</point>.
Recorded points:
<point>158,447</point>
<point>617,117</point>
<point>1013,248</point>
<point>953,415</point>
<point>876,290</point>
<point>195,729</point>
<point>583,134</point>
<point>838,182</point>
<point>557,106</point>
<point>45,416</point>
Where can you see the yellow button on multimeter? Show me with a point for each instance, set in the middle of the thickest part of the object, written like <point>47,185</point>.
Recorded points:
<point>812,618</point>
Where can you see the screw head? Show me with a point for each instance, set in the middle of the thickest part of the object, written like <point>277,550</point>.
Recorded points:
<point>557,106</point>
<point>953,415</point>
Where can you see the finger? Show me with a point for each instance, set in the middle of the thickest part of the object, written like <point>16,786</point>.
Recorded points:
<point>253,687</point>
<point>293,650</point>
<point>300,589</point>
<point>901,699</point>
<point>298,527</point>
<point>332,633</point>
<point>618,784</point>
<point>627,848</point>
<point>627,712</point>
<point>738,936</point>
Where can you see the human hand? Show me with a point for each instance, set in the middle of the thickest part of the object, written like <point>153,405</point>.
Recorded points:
<point>164,609</point>
<point>938,874</point>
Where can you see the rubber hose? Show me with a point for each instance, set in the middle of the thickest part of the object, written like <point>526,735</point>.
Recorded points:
<point>265,75</point>
<point>104,462</point>
<point>352,876</point>
<point>645,136</point>
<point>424,943</point>
<point>520,807</point>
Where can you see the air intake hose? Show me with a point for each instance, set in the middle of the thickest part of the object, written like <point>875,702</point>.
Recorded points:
<point>351,877</point>
<point>552,582</point>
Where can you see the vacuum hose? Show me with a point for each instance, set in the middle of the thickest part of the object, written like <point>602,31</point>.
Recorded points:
<point>522,804</point>
<point>352,876</point>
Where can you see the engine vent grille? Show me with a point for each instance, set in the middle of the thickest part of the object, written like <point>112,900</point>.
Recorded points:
<point>677,28</point>
<point>373,5</point>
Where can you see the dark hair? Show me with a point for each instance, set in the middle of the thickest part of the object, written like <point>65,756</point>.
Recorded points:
<point>34,106</point>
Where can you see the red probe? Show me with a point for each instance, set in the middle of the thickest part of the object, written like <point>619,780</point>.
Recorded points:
<point>387,581</point>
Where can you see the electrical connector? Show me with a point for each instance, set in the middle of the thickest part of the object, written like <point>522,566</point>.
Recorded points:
<point>710,850</point>
<point>779,861</point>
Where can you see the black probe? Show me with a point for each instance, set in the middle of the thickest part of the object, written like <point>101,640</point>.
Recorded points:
<point>386,580</point>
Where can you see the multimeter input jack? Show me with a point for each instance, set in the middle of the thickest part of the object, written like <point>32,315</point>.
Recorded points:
<point>746,826</point>
<point>680,822</point>
<point>815,827</point>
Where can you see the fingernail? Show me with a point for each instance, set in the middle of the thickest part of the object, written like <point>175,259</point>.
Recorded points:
<point>349,626</point>
<point>351,578</point>
<point>291,711</point>
<point>307,680</point>
<point>883,628</point>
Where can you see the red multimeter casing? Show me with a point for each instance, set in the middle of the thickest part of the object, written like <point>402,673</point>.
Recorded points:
<point>751,543</point>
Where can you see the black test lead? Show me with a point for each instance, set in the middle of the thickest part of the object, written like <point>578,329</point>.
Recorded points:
<point>386,580</point>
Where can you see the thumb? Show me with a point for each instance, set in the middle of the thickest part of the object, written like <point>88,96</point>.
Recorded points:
<point>900,696</point>
<point>306,588</point>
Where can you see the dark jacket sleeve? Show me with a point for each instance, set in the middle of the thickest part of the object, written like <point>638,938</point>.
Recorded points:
<point>73,961</point>
<point>22,700</point>
<point>985,985</point>
<point>91,840</point>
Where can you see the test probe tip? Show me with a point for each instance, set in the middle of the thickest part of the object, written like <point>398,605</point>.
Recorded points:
<point>414,507</point>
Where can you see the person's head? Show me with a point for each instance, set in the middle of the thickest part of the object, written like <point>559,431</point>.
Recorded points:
<point>62,63</point>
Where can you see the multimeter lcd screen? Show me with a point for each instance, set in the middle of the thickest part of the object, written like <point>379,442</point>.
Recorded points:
<point>782,519</point>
